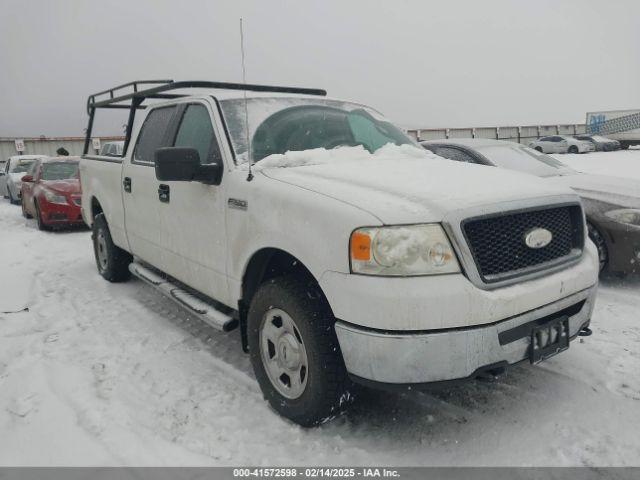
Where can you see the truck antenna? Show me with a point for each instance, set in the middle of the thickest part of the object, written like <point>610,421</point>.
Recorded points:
<point>246,109</point>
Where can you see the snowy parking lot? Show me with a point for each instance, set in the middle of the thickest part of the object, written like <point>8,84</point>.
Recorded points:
<point>93,373</point>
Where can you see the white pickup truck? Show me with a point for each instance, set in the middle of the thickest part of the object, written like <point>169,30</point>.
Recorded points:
<point>344,253</point>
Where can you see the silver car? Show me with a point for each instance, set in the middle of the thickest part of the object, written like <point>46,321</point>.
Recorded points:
<point>11,176</point>
<point>611,204</point>
<point>561,144</point>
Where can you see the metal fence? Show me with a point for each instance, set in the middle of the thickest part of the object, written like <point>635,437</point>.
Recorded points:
<point>520,134</point>
<point>48,145</point>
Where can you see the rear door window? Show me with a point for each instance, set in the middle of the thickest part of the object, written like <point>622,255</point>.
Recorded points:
<point>153,134</point>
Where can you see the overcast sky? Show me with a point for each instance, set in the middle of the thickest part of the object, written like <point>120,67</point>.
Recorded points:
<point>422,63</point>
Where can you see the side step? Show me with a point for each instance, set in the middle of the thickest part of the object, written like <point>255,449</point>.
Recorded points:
<point>205,311</point>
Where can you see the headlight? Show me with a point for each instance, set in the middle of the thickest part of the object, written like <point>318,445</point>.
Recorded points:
<point>402,251</point>
<point>54,197</point>
<point>625,215</point>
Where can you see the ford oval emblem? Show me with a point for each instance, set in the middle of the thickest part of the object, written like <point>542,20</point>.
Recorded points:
<point>538,238</point>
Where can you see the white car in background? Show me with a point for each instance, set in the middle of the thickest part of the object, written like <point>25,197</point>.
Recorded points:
<point>11,176</point>
<point>561,144</point>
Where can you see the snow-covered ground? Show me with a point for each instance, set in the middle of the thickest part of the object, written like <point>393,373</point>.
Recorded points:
<point>94,373</point>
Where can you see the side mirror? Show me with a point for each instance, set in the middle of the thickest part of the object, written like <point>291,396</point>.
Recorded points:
<point>182,164</point>
<point>27,179</point>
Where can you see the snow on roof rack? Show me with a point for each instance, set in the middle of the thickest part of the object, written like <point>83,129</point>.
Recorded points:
<point>158,89</point>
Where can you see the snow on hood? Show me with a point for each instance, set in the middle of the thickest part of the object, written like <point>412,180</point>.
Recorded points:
<point>71,185</point>
<point>17,177</point>
<point>402,184</point>
<point>615,190</point>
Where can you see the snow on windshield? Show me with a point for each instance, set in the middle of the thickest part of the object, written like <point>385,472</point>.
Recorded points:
<point>524,159</point>
<point>296,124</point>
<point>60,171</point>
<point>321,156</point>
<point>22,166</point>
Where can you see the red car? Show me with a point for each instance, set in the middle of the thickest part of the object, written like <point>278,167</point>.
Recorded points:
<point>51,192</point>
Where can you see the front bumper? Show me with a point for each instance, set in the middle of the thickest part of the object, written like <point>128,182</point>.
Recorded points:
<point>58,214</point>
<point>407,358</point>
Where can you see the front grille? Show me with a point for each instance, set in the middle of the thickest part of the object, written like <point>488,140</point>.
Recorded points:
<point>497,242</point>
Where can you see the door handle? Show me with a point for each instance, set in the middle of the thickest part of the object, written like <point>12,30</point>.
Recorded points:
<point>164,193</point>
<point>126,183</point>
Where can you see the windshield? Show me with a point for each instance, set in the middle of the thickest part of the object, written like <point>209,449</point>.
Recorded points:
<point>598,138</point>
<point>59,171</point>
<point>524,159</point>
<point>280,125</point>
<point>21,166</point>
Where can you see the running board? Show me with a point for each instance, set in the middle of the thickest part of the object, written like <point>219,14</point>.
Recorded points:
<point>205,311</point>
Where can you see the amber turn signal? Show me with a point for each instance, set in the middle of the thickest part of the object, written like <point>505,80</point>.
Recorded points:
<point>360,246</point>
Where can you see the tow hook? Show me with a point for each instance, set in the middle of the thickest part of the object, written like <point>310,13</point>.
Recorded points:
<point>585,332</point>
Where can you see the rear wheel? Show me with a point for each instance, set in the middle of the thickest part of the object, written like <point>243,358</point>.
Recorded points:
<point>573,149</point>
<point>539,149</point>
<point>597,238</point>
<point>295,352</point>
<point>111,260</point>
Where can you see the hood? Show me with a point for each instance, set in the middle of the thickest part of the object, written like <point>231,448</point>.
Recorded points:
<point>16,177</point>
<point>71,185</point>
<point>403,184</point>
<point>615,190</point>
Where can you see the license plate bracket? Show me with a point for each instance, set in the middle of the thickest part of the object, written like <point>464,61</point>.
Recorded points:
<point>549,339</point>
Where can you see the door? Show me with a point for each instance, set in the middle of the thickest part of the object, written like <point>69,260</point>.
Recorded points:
<point>29,187</point>
<point>558,145</point>
<point>139,187</point>
<point>3,179</point>
<point>192,214</point>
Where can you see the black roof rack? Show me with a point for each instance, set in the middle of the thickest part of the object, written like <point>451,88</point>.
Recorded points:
<point>140,90</point>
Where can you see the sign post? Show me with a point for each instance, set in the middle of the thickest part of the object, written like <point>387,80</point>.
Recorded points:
<point>96,144</point>
<point>19,145</point>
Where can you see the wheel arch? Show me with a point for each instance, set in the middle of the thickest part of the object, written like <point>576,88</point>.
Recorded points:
<point>265,264</point>
<point>95,208</point>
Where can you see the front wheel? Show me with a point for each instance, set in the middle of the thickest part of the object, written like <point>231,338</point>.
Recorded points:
<point>573,149</point>
<point>597,238</point>
<point>25,214</point>
<point>111,260</point>
<point>295,352</point>
<point>539,149</point>
<point>39,220</point>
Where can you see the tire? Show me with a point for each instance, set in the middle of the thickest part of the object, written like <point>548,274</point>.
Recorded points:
<point>603,252</point>
<point>539,149</point>
<point>41,225</point>
<point>11,199</point>
<point>624,146</point>
<point>573,149</point>
<point>25,214</point>
<point>325,384</point>
<point>111,260</point>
